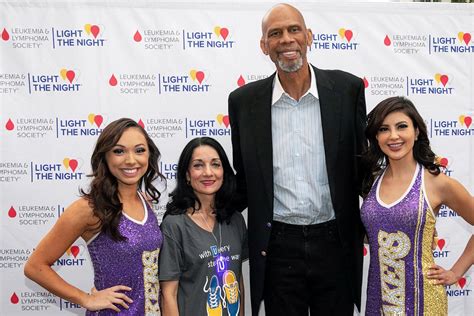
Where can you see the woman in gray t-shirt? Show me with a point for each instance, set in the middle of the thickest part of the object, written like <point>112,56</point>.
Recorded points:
<point>204,241</point>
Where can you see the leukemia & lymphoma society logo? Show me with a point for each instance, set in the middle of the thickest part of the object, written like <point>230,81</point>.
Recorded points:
<point>92,126</point>
<point>90,35</point>
<point>462,126</point>
<point>164,127</point>
<point>30,128</point>
<point>342,40</point>
<point>460,288</point>
<point>25,37</point>
<point>133,83</point>
<point>66,171</point>
<point>406,44</point>
<point>12,83</point>
<point>244,79</point>
<point>157,39</point>
<point>194,82</point>
<point>384,85</point>
<point>13,258</point>
<point>220,37</point>
<point>33,215</point>
<point>13,171</point>
<point>220,126</point>
<point>439,84</point>
<point>462,43</point>
<point>64,81</point>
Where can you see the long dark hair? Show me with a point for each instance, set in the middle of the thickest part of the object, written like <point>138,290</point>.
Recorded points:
<point>183,196</point>
<point>374,158</point>
<point>103,194</point>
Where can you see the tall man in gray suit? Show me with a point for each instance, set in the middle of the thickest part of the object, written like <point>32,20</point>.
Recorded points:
<point>296,139</point>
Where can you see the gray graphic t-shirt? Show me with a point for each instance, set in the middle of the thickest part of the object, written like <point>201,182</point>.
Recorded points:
<point>208,270</point>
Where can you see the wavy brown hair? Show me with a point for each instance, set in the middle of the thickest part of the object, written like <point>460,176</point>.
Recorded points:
<point>375,160</point>
<point>103,195</point>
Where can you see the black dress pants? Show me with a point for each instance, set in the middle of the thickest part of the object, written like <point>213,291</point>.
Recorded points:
<point>306,271</point>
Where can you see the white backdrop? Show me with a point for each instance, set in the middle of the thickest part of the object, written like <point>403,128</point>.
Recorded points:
<point>68,69</point>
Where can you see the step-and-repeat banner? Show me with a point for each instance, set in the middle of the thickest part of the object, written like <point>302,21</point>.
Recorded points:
<point>68,69</point>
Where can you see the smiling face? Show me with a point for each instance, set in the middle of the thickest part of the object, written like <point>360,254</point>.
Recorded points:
<point>285,38</point>
<point>205,172</point>
<point>128,159</point>
<point>396,136</point>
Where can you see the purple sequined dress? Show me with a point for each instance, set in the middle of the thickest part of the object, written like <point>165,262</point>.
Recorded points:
<point>400,238</point>
<point>133,262</point>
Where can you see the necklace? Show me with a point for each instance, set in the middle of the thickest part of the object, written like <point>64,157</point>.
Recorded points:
<point>212,232</point>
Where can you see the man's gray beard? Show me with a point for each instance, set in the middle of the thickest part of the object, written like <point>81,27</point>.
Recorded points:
<point>293,67</point>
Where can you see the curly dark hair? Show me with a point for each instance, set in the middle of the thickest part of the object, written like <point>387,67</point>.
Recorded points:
<point>375,160</point>
<point>183,196</point>
<point>103,195</point>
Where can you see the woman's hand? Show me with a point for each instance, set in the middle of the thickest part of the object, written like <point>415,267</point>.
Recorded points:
<point>441,276</point>
<point>108,298</point>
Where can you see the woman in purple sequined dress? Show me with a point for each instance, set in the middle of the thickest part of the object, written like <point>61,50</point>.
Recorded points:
<point>405,192</point>
<point>118,224</point>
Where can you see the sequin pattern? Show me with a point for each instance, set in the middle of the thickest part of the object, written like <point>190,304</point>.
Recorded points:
<point>400,236</point>
<point>133,262</point>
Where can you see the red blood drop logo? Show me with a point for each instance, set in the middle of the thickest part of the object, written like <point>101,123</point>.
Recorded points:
<point>9,126</point>
<point>5,35</point>
<point>113,80</point>
<point>462,282</point>
<point>387,41</point>
<point>468,121</point>
<point>225,120</point>
<point>137,37</point>
<point>14,298</point>
<point>11,212</point>
<point>366,83</point>
<point>443,162</point>
<point>444,80</point>
<point>140,122</point>
<point>240,81</point>
<point>466,38</point>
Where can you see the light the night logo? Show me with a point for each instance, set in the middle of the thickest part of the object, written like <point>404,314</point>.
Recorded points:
<point>90,35</point>
<point>25,37</point>
<point>30,301</point>
<point>462,43</point>
<point>66,171</point>
<point>30,128</point>
<point>220,126</point>
<point>384,85</point>
<point>168,169</point>
<point>461,127</point>
<point>64,81</point>
<point>13,171</point>
<point>406,44</point>
<point>12,83</point>
<point>244,79</point>
<point>33,215</point>
<point>343,40</point>
<point>157,39</point>
<point>220,37</point>
<point>442,246</point>
<point>193,82</point>
<point>445,211</point>
<point>134,83</point>
<point>73,257</point>
<point>80,127</point>
<point>460,288</point>
<point>13,258</point>
<point>159,128</point>
<point>439,84</point>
